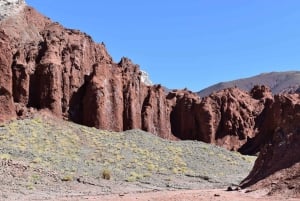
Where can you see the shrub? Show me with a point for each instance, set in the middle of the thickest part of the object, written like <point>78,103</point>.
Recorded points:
<point>5,156</point>
<point>133,177</point>
<point>106,174</point>
<point>67,178</point>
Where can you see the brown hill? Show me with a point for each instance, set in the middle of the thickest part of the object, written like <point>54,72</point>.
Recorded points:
<point>278,82</point>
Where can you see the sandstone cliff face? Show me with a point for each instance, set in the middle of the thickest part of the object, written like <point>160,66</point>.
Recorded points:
<point>156,113</point>
<point>233,115</point>
<point>184,112</point>
<point>228,118</point>
<point>116,99</point>
<point>48,69</point>
<point>46,66</point>
<point>278,165</point>
<point>7,106</point>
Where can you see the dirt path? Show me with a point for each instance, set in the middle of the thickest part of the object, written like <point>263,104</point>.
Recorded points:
<point>186,195</point>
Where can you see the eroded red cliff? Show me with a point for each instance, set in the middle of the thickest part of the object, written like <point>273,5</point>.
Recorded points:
<point>7,104</point>
<point>277,168</point>
<point>227,118</point>
<point>45,66</point>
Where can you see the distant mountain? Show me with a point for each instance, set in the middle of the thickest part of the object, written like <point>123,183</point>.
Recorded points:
<point>279,82</point>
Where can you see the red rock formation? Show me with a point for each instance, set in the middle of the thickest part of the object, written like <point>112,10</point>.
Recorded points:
<point>7,106</point>
<point>227,118</point>
<point>235,112</point>
<point>156,113</point>
<point>116,99</point>
<point>46,66</point>
<point>46,61</point>
<point>261,92</point>
<point>278,165</point>
<point>184,114</point>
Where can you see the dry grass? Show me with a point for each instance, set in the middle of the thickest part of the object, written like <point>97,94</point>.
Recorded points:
<point>106,174</point>
<point>74,151</point>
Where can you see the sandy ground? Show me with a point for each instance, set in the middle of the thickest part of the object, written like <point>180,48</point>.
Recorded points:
<point>184,195</point>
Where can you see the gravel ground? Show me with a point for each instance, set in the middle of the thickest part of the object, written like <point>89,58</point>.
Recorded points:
<point>47,158</point>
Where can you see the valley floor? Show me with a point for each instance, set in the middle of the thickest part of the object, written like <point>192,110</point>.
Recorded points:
<point>181,195</point>
<point>45,159</point>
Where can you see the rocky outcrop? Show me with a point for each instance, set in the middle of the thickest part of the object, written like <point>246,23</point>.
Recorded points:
<point>116,99</point>
<point>278,165</point>
<point>49,68</point>
<point>45,66</point>
<point>7,106</point>
<point>156,113</point>
<point>228,118</point>
<point>233,117</point>
<point>184,112</point>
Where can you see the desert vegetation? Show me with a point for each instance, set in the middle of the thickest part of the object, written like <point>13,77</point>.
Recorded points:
<point>70,153</point>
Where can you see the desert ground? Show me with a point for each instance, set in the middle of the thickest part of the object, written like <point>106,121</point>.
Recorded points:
<point>43,159</point>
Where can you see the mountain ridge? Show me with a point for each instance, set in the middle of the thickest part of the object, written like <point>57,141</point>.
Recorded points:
<point>278,82</point>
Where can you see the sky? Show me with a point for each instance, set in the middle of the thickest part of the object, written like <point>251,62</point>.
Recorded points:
<point>193,43</point>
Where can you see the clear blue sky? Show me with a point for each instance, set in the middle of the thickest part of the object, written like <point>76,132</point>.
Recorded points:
<point>192,43</point>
